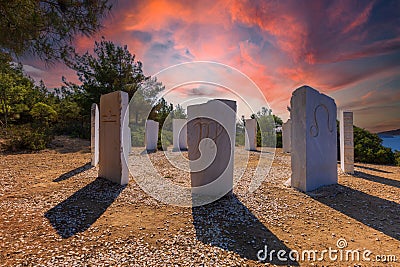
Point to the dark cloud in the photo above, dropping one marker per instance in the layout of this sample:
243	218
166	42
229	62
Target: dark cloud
144	37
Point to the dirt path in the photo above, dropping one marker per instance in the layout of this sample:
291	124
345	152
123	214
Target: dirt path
55	211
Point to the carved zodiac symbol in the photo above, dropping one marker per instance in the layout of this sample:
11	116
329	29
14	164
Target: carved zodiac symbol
207	133
314	129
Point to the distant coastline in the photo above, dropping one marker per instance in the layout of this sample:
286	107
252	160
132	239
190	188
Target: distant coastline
391	139
390	133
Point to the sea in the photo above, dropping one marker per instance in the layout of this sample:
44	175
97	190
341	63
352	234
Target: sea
392	141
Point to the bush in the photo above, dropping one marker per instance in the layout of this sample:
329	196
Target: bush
43	113
28	138
397	157
239	140
279	139
164	139
137	134
368	148
71	121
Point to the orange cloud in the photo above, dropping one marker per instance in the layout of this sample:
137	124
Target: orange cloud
330	45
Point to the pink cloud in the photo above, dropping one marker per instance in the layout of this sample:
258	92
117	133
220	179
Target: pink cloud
360	19
279	45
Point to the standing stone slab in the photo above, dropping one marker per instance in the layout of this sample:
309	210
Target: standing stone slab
126	137
94	134
346	142
211	142
286	136
179	129
314	140
250	140
151	135
113	165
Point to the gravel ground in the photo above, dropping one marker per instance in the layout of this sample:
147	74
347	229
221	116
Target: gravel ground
54	211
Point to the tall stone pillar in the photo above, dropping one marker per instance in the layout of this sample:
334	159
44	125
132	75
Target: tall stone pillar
151	135
286	136
250	141
94	134
112	161
179	129
346	142
211	142
314	140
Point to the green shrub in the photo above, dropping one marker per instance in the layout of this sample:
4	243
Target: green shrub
239	140
27	138
397	157
164	140
279	139
137	134
43	113
368	148
71	122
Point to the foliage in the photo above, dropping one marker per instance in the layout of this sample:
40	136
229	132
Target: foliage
16	91
166	114
111	68
27	110
266	123
179	112
144	100
43	113
278	121
160	113
368	148
47	28
137	134
165	139
279	139
397	157
71	121
28	137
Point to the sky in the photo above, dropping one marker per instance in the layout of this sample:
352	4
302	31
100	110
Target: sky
349	50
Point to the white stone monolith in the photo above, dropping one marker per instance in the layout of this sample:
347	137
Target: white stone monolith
314	140
286	136
179	130
250	141
151	135
211	142
112	161
346	142
126	137
94	134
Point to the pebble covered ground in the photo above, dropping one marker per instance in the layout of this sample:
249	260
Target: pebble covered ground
54	211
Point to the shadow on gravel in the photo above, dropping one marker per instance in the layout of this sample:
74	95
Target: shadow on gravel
76	171
229	225
370	168
380	214
78	212
377	179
